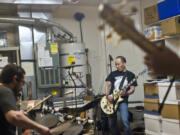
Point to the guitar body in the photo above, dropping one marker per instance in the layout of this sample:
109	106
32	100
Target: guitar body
108	107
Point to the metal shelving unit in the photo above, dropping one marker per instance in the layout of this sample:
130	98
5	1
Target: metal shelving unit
12	53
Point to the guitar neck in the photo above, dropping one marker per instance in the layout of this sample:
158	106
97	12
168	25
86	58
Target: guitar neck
121	25
135	78
40	102
130	83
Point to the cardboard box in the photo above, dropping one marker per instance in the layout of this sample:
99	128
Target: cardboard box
170	127
151	89
151	104
171	26
174	93
153	123
171	109
151	15
12	35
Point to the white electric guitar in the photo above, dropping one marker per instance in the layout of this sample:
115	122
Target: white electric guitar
111	107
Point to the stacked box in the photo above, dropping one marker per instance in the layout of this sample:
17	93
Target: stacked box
152	124
171	109
174	93
151	89
170	127
152	118
151	97
170	26
151	15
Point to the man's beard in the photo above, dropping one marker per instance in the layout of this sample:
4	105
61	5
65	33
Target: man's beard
16	91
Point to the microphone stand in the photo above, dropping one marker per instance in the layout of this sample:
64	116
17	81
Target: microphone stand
110	60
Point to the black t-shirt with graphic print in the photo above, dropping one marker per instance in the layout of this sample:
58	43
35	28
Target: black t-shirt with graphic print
116	77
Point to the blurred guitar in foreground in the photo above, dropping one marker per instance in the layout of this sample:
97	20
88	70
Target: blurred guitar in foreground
124	27
161	60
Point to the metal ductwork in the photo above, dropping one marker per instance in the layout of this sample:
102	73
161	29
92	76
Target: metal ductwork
37	22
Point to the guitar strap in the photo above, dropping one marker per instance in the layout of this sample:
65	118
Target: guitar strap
122	81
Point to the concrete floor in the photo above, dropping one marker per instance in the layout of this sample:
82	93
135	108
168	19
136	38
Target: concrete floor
137	125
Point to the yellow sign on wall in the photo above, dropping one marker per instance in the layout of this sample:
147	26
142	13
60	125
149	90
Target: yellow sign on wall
54	47
71	59
54	92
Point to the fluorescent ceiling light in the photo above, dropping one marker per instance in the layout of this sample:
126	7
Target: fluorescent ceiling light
59	2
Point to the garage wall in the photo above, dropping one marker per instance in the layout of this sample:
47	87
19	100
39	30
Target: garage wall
91	35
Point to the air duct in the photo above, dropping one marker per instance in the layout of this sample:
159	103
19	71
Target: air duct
37	22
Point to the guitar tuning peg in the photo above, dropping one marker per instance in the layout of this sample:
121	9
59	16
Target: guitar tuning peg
123	4
109	37
118	41
101	27
133	10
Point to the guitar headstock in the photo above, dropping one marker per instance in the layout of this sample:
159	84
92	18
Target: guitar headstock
111	17
124	27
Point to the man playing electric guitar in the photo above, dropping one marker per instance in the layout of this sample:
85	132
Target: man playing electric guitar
117	80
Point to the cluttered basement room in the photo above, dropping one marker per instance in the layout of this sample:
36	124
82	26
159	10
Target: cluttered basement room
90	67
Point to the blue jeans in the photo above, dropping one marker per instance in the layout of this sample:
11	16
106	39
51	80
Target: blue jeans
123	108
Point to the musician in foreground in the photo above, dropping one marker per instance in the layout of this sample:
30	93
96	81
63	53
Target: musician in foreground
117	80
12	78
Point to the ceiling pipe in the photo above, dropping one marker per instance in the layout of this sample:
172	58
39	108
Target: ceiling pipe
36	22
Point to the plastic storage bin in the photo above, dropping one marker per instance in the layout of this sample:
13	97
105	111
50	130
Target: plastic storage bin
174	93
151	133
153	123
170	127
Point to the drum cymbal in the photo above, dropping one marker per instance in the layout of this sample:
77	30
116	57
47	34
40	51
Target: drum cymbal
49	120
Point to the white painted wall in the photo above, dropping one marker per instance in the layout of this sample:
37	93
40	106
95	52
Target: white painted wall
100	48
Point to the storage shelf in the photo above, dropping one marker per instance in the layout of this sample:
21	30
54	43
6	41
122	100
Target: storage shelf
172	36
154	24
157	40
159	22
12	53
166	37
9	48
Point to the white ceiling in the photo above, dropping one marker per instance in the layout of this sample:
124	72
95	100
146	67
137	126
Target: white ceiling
48	5
81	2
